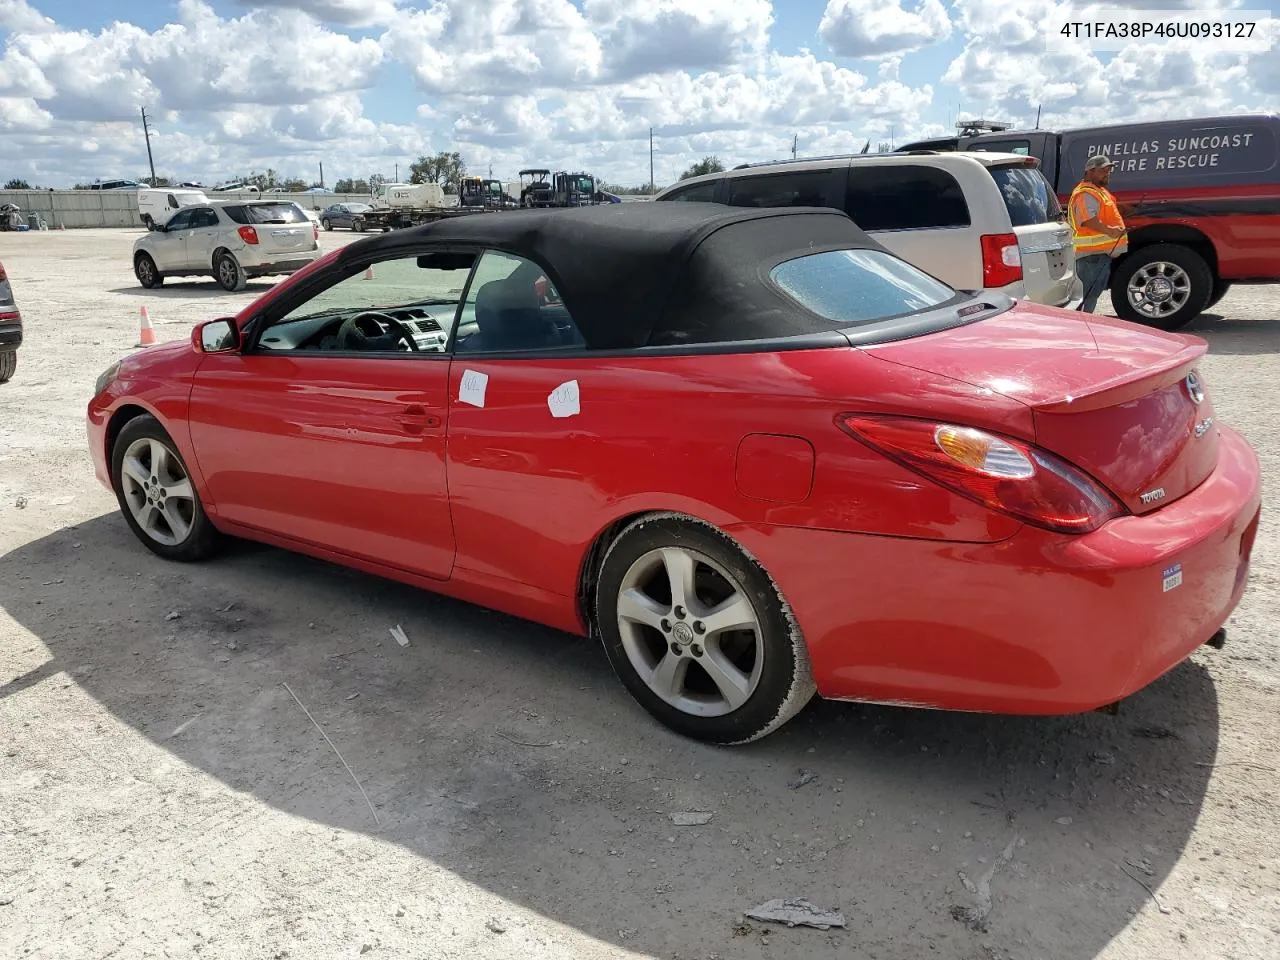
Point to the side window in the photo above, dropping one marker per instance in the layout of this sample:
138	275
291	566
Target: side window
173	201
203	218
698	193
905	197
395	307
512	305
180	221
810	188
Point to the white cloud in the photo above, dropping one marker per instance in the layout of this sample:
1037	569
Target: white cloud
18	16
655	36
347	13
495	47
875	28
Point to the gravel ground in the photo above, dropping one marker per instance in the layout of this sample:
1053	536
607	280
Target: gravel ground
163	795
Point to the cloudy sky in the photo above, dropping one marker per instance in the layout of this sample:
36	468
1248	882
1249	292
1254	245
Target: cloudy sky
236	85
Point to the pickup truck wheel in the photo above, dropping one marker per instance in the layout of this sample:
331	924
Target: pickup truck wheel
8	364
1165	286
1219	291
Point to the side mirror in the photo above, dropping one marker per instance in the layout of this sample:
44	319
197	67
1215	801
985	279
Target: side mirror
216	336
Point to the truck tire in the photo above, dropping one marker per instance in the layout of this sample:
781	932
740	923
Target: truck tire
148	222
1219	291
1165	286
8	364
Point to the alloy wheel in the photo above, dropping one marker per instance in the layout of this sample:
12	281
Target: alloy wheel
1158	290
690	631
158	491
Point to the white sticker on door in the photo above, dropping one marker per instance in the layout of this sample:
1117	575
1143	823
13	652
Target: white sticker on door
471	388
1172	577
563	400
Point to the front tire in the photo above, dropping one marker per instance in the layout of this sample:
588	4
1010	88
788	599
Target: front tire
1165	286
156	495
145	269
231	276
699	634
326	224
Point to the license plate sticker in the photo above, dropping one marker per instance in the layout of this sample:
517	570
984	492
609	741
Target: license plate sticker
1172	577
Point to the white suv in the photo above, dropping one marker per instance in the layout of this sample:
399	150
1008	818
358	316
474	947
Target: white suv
974	220
232	240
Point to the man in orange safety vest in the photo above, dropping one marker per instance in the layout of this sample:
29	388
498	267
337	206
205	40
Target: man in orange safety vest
1098	229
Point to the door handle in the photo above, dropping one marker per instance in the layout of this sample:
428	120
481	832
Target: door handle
415	418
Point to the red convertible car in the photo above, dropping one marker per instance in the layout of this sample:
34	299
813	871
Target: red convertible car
753	452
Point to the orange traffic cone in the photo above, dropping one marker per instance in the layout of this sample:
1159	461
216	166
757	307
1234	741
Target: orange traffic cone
147	334
368	274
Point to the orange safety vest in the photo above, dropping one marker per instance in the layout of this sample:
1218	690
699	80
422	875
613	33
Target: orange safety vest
1087	240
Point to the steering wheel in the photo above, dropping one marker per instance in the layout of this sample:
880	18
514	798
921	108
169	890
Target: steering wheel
357	330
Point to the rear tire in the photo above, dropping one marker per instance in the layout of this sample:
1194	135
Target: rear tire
230	275
726	684
1165	286
156	493
148	222
8	365
148	274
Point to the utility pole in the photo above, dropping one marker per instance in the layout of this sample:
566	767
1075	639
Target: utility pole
321	162
146	132
397	172
795	143
651	161
1038	116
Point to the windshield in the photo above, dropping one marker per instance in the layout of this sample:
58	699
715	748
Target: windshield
859	286
1026	195
358	208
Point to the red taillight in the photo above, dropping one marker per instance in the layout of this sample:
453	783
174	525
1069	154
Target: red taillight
1001	259
315	231
1005	475
248	234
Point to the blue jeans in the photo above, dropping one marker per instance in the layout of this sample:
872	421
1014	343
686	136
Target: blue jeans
1094	271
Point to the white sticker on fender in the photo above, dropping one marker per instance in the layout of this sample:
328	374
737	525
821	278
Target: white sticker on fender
1172	577
564	401
471	388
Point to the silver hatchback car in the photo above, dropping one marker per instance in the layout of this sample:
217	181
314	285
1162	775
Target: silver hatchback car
230	240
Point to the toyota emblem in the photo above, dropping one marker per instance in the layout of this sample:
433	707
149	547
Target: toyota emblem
1195	390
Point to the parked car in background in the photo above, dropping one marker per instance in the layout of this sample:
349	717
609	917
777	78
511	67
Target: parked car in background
10	328
116	185
231	240
349	215
236	187
887	490
1200	198
973	220
156	206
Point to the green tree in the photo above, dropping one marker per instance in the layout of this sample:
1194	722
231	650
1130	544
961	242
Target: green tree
444	168
702	167
351	186
18	184
294	184
264	181
156	182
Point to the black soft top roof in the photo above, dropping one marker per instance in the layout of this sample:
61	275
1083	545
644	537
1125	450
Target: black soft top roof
637	274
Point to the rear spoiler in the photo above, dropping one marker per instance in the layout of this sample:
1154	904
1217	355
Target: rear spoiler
1126	387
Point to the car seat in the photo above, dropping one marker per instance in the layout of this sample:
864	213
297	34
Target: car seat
508	317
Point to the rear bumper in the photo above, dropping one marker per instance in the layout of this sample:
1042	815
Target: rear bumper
1036	624
10	335
292	264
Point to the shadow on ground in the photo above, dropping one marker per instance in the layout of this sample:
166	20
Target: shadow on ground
195	287
510	755
1243	338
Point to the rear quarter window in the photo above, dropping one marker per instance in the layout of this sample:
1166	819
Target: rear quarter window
697	193
1026	194
905	197
858	286
802	188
